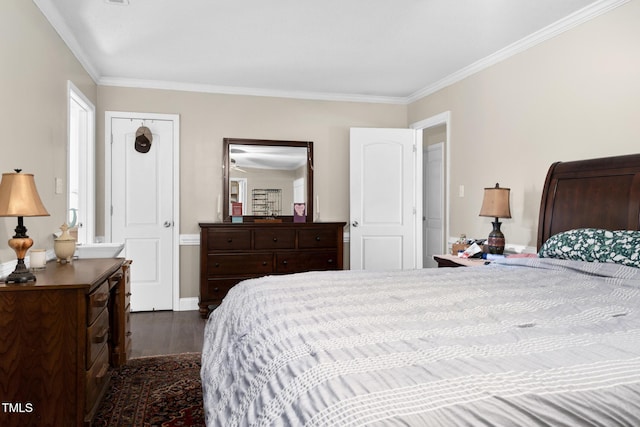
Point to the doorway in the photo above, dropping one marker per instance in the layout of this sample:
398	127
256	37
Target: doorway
432	194
432	200
142	203
81	165
398	238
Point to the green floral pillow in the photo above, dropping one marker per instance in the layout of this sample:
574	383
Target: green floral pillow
582	244
621	247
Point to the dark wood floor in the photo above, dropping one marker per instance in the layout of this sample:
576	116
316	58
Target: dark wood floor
166	332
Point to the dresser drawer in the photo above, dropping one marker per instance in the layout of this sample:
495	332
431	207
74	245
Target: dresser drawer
229	240
275	239
216	289
316	238
97	378
294	262
98	301
97	335
239	264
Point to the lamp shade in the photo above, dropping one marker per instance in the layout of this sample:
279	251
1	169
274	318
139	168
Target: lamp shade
19	196
496	202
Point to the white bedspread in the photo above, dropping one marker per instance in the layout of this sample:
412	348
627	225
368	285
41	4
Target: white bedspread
533	342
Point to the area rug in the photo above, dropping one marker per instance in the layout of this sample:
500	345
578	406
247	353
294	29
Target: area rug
163	391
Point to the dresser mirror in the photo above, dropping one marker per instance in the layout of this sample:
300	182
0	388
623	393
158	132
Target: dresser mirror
267	177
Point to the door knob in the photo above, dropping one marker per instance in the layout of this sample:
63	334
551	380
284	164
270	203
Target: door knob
354	224
167	224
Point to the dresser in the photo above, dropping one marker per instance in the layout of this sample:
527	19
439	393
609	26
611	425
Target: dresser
59	339
232	252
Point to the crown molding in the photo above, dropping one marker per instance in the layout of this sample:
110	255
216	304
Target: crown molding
587	13
583	15
233	90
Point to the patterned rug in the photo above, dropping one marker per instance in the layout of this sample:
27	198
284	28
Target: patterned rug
163	391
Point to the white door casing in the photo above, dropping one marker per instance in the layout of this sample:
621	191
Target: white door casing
142	211
382	198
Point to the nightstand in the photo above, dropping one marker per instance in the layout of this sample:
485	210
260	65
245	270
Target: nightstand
448	260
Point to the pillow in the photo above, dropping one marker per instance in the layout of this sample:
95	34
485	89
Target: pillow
621	247
581	244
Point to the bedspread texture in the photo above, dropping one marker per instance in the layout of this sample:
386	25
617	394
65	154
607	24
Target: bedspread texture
527	342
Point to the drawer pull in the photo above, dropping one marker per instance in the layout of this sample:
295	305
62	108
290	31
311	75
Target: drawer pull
284	262
100	300
102	336
217	264
216	289
264	263
275	239
329	261
317	238
229	240
128	294
129	333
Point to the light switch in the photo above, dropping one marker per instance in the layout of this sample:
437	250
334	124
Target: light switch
59	186
461	191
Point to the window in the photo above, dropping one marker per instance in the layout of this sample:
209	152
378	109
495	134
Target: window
81	165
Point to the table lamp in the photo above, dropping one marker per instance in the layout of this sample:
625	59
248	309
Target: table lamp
19	197
496	204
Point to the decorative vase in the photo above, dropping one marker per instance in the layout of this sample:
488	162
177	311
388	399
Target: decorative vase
65	245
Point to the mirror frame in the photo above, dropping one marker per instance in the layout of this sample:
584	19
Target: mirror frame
265	142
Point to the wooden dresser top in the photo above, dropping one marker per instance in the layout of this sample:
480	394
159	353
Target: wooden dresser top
78	274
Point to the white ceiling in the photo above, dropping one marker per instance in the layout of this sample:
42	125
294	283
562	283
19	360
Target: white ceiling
377	50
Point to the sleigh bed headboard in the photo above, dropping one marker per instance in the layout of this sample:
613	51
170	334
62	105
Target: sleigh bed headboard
596	193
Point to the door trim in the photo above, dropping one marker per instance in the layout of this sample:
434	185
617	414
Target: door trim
108	140
437	120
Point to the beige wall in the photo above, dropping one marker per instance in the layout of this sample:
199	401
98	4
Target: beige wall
205	119
573	97
35	67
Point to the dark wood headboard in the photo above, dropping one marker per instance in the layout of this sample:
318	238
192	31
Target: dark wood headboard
597	193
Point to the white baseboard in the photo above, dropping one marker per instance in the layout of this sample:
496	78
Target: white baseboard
188	304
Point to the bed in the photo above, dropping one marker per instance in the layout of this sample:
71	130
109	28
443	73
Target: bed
544	341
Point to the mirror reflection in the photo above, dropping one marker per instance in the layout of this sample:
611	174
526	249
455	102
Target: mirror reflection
267	177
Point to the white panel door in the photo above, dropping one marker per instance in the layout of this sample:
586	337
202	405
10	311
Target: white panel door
142	209
382	199
433	226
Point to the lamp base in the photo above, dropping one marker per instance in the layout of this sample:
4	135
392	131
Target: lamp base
496	239
21	244
21	274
